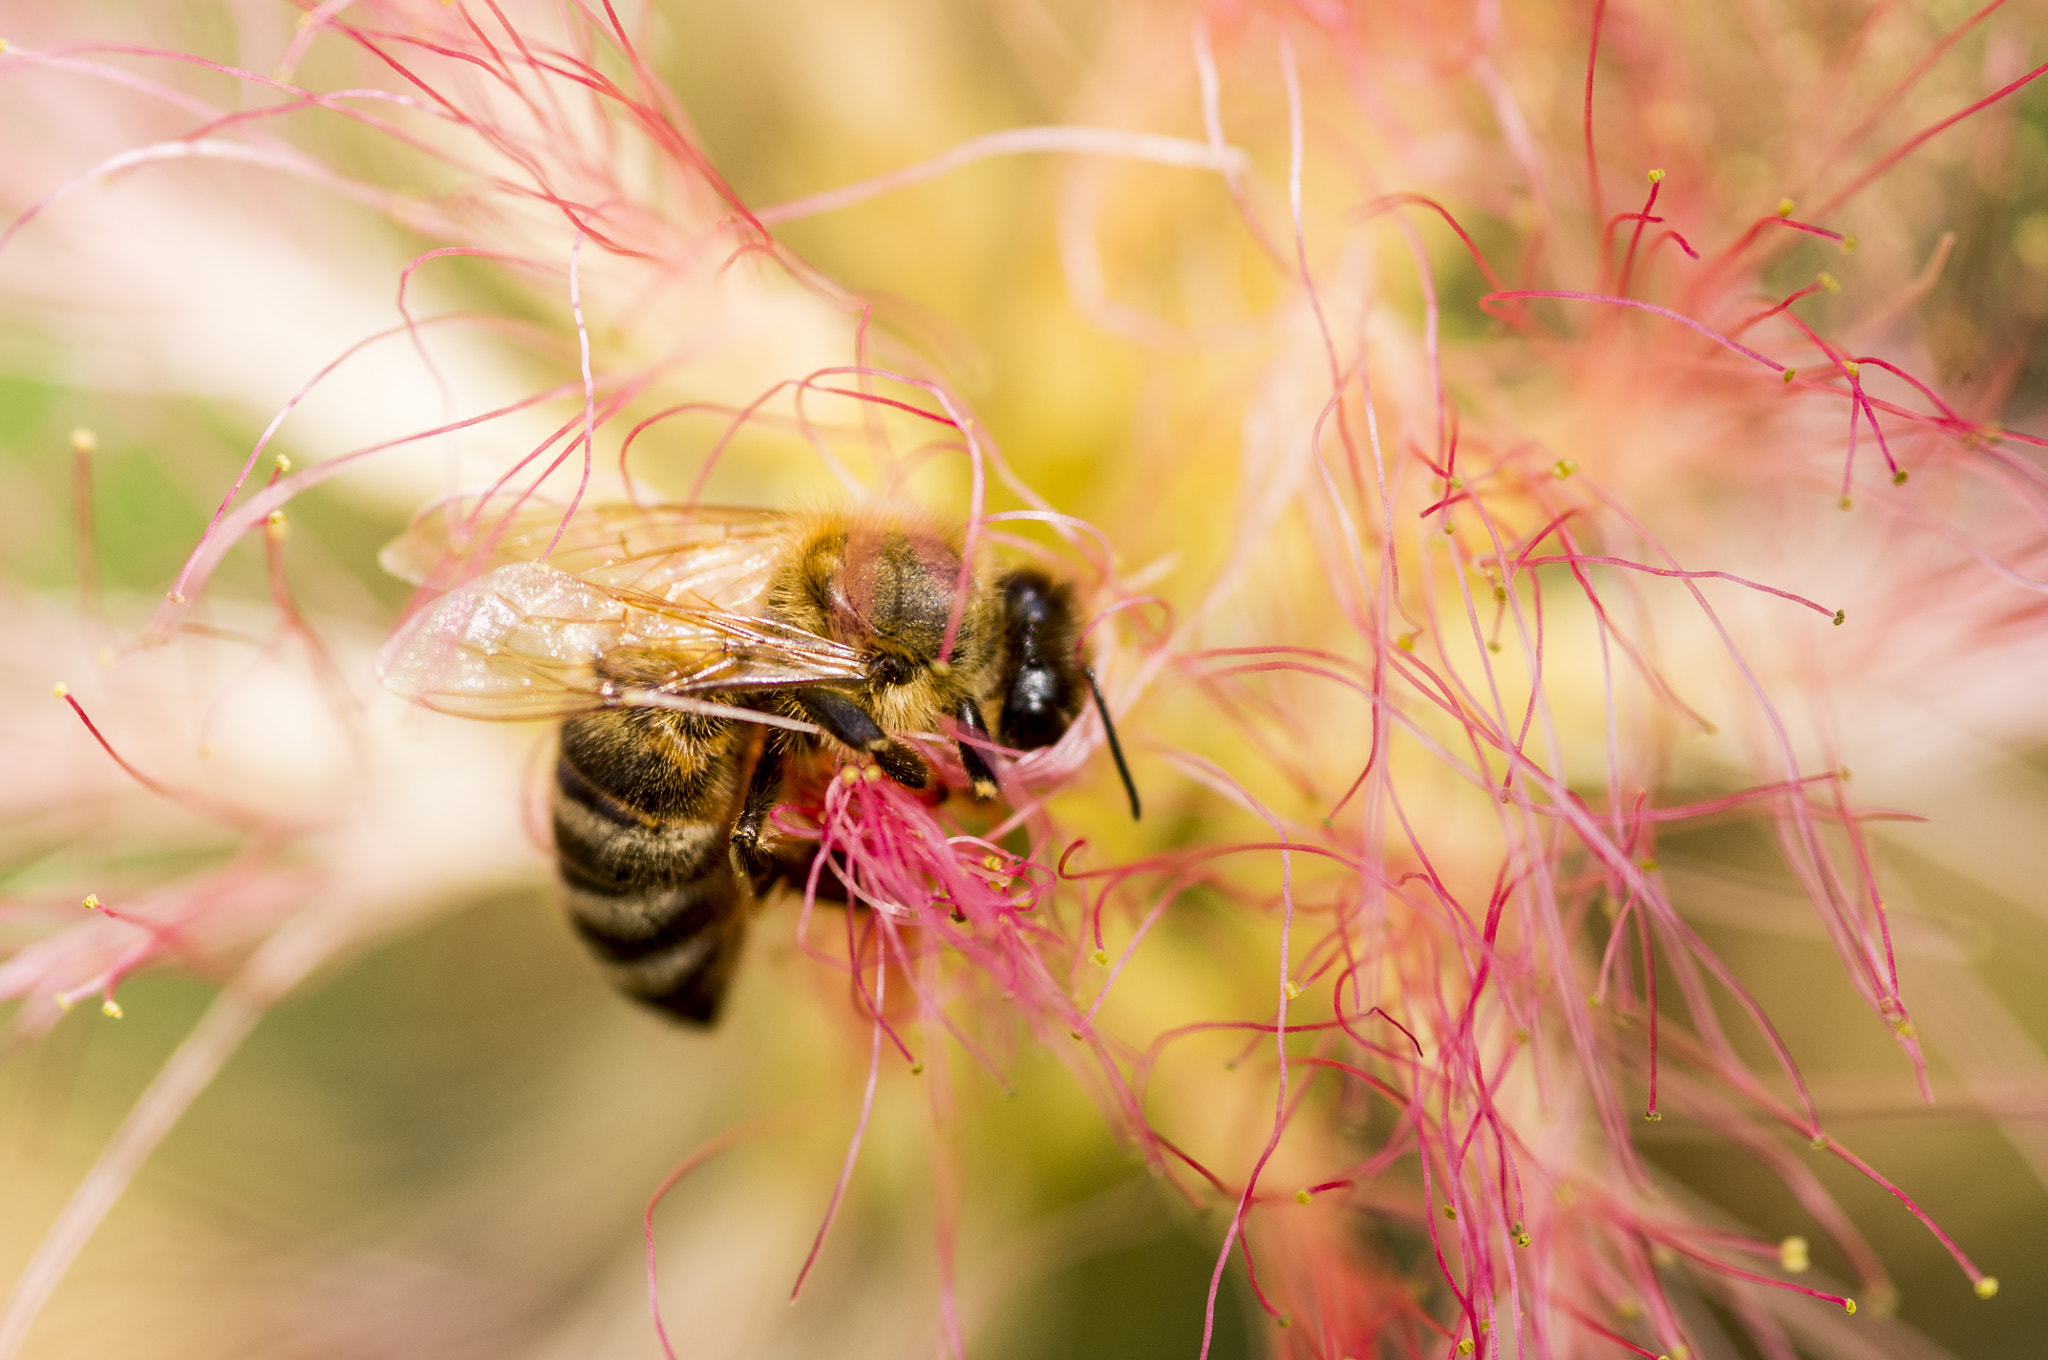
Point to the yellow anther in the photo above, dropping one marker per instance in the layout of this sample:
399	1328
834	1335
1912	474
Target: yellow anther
64	1003
1494	647
1785	206
1793	1256
1293	990
274	524
1819	1142
941	669
1449	526
1521	1236
1593	1000
1286	1319
1899	477
83	440
1849	244
1849	1307
111	1009
917	1069
1302	1197
991	862
1466	1347
1845	774
1075	1034
1101	957
1789	374
849	775
1456	483
175	596
1656	177
1500	594
1563	468
1828	282
1522	1035
1406	642
283	464
1987	1287
91	902
872	773
1451	1212
1653	1116
1852	368
1842	615
1649	866
1905	1029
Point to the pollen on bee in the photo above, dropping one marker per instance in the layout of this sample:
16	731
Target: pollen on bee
942	669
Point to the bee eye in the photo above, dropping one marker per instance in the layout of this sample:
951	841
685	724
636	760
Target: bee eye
891	669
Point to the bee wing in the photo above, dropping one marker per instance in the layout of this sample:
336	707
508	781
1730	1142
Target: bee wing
526	640
684	554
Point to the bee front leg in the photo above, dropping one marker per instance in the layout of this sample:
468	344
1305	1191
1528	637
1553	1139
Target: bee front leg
849	723
974	728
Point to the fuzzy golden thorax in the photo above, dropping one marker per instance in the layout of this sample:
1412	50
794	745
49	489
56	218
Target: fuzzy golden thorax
886	587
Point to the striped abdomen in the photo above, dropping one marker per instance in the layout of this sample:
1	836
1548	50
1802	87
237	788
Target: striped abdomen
643	806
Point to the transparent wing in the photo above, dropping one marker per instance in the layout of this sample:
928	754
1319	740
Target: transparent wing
703	556
525	640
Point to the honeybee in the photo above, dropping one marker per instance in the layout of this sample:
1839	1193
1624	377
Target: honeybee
696	655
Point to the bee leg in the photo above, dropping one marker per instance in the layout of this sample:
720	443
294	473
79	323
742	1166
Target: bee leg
846	721
752	860
980	777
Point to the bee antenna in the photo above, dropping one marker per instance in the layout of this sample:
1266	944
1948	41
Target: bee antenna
1116	748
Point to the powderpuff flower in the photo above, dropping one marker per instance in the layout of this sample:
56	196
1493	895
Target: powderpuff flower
1584	508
